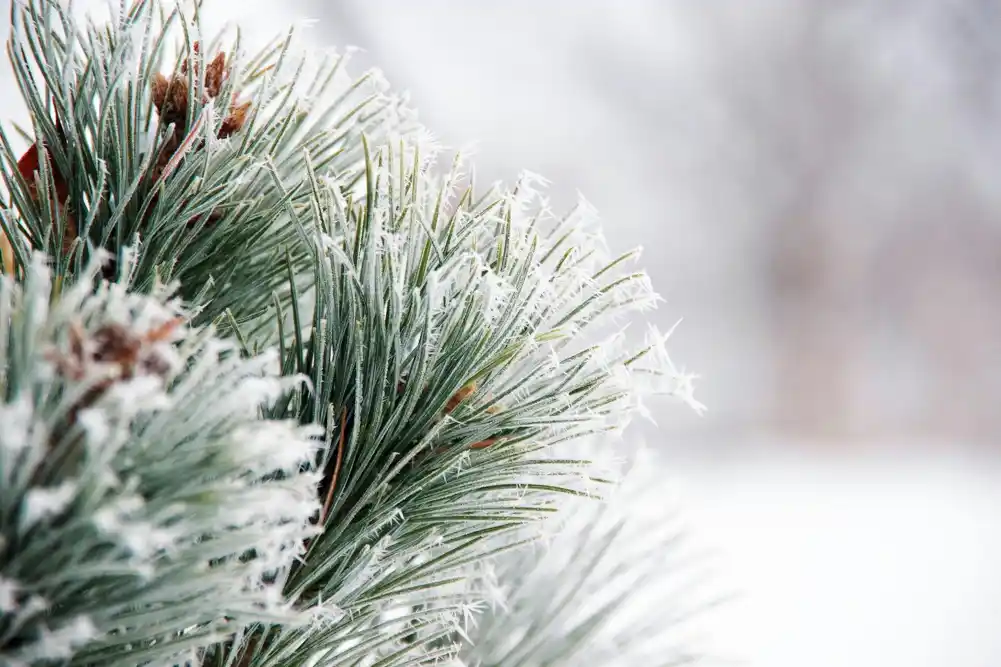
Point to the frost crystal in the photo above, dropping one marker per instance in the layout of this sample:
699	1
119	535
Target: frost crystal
8	592
16	434
60	644
45	502
95	425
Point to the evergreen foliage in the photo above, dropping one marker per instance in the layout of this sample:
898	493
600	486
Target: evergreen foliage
278	388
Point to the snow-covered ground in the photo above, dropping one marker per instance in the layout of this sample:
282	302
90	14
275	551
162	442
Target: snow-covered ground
862	561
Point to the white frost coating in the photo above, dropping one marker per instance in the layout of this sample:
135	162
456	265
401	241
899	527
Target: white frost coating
496	294
16	419
59	644
44	502
256	391
143	539
526	189
141	393
109	519
272	445
594	554
326	613
271	506
8	595
37	300
167	354
378	80
679	383
94	424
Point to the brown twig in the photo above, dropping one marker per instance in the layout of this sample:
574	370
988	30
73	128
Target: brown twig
337	468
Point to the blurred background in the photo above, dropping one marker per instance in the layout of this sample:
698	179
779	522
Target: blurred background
817	186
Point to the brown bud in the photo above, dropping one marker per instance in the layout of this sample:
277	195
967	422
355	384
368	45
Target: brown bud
215	74
459	396
177	98
233	123
160	86
196	48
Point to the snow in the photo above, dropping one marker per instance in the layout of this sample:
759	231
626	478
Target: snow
852	560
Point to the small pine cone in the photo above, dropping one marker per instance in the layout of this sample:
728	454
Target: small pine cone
170	97
170	94
122	352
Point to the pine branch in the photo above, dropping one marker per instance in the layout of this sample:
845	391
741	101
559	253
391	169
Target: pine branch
145	509
449	339
165	162
438	341
617	583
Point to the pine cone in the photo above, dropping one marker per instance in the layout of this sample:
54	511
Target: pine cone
170	97
120	351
